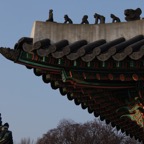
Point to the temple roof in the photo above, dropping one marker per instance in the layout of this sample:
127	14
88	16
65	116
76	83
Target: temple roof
104	76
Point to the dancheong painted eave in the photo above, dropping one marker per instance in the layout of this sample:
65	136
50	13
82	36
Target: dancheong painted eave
100	67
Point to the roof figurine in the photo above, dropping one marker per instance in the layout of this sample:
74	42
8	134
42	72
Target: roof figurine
98	18
115	18
131	14
50	19
67	19
6	135
85	20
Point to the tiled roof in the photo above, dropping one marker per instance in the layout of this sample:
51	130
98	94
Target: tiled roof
117	49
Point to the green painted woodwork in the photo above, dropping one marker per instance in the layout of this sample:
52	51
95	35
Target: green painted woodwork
99	65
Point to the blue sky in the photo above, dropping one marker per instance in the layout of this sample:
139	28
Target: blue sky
30	106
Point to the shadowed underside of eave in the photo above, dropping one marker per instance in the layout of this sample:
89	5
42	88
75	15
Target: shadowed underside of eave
98	100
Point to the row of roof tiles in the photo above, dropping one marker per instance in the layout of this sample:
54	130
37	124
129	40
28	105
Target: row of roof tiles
118	49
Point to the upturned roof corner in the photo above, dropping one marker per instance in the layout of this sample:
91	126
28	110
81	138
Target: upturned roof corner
10	54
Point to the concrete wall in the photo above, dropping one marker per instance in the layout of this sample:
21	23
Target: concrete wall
91	32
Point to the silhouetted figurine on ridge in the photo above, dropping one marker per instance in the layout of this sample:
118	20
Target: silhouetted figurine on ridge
50	19
85	20
67	19
6	135
131	14
98	18
115	18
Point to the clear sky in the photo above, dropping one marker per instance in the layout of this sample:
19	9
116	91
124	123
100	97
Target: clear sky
30	106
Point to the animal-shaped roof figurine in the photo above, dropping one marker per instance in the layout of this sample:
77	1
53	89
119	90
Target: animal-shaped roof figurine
50	19
131	14
67	19
98	18
115	18
85	20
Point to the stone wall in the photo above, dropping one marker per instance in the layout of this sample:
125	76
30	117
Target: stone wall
90	32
